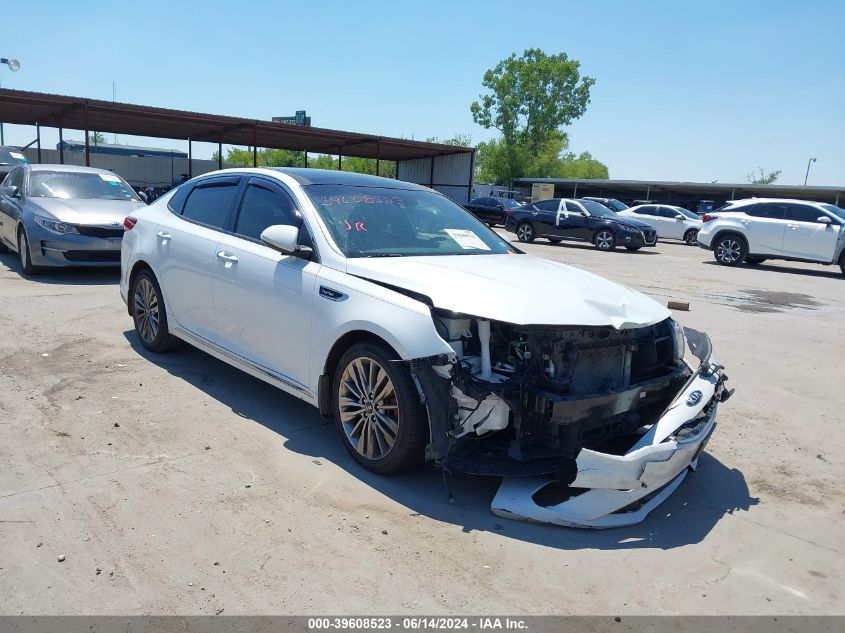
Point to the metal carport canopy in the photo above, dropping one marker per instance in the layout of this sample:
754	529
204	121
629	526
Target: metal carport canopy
44	109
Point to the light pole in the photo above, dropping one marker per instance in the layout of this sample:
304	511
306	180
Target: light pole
809	162
14	65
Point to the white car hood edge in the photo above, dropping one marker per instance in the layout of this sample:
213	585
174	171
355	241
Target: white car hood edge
517	289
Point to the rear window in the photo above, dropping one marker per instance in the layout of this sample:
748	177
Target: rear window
11	157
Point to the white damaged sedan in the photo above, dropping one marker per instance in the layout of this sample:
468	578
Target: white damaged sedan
428	337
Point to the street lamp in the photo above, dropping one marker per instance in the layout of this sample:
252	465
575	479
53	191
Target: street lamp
809	162
14	65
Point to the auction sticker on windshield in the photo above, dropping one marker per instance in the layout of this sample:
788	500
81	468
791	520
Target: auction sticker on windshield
109	178
467	240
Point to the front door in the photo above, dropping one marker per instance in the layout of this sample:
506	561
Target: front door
263	298
11	206
670	225
806	237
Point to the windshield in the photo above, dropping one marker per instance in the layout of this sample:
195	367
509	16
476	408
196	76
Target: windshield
68	184
686	213
510	204
596	208
11	157
381	222
838	212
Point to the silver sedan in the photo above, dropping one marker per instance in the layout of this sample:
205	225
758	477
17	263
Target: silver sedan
64	215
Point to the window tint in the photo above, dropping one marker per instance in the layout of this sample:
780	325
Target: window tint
209	204
572	207
548	205
647	210
487	202
803	213
262	208
14	179
771	210
178	200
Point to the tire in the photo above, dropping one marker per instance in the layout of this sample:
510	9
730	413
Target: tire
491	225
730	249
3	248
633	249
25	255
753	261
525	232
555	240
691	237
368	385
149	315
604	240
842	263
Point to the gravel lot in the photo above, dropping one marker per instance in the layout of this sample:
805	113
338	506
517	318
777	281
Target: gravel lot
177	485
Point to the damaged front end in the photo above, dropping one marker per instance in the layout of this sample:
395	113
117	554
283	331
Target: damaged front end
589	426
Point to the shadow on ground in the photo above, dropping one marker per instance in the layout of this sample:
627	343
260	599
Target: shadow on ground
832	271
64	276
707	495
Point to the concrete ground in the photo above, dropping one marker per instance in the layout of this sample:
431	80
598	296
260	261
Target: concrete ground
174	484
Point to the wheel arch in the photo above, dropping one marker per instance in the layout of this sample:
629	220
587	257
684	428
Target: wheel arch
324	391
137	267
728	231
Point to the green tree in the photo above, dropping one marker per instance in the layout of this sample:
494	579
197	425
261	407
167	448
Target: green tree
461	139
266	157
759	177
96	138
532	97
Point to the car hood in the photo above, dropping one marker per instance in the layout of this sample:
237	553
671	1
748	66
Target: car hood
85	211
639	224
517	289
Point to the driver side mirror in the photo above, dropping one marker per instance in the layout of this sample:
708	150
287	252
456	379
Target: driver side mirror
10	190
285	238
679	217
823	220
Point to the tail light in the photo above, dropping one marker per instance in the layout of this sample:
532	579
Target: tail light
129	223
707	217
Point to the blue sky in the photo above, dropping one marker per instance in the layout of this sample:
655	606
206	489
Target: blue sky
695	91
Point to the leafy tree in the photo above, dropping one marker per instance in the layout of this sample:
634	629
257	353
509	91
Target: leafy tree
266	157
462	139
96	138
759	177
532	97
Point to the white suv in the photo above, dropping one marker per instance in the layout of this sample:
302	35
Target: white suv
758	229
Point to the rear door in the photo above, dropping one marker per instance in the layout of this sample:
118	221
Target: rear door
543	214
806	237
185	252
263	298
648	214
764	227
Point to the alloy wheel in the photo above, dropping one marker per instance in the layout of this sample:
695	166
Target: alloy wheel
369	409
691	238
525	232
604	240
146	310
728	251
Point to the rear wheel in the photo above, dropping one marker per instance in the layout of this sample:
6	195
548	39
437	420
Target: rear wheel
377	410
26	257
604	240
691	237
842	263
525	232
149	314
730	250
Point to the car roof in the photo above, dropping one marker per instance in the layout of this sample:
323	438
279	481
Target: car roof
309	176
67	168
748	201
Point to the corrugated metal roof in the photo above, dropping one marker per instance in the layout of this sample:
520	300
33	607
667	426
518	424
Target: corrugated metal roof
29	108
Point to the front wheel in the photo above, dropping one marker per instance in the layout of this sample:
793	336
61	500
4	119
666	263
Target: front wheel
691	237
149	314
525	232
730	250
377	410
633	248
25	255
842	263
604	240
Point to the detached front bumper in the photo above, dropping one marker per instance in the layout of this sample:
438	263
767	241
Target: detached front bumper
618	490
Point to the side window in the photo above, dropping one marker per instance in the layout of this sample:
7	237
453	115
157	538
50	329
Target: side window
548	205
177	202
803	213
770	210
209	203
14	179
261	208
666	212
572	207
648	210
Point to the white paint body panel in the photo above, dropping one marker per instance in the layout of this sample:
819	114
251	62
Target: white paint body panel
671	228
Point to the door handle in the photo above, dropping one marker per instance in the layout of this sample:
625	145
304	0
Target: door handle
164	235
227	257
792	226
